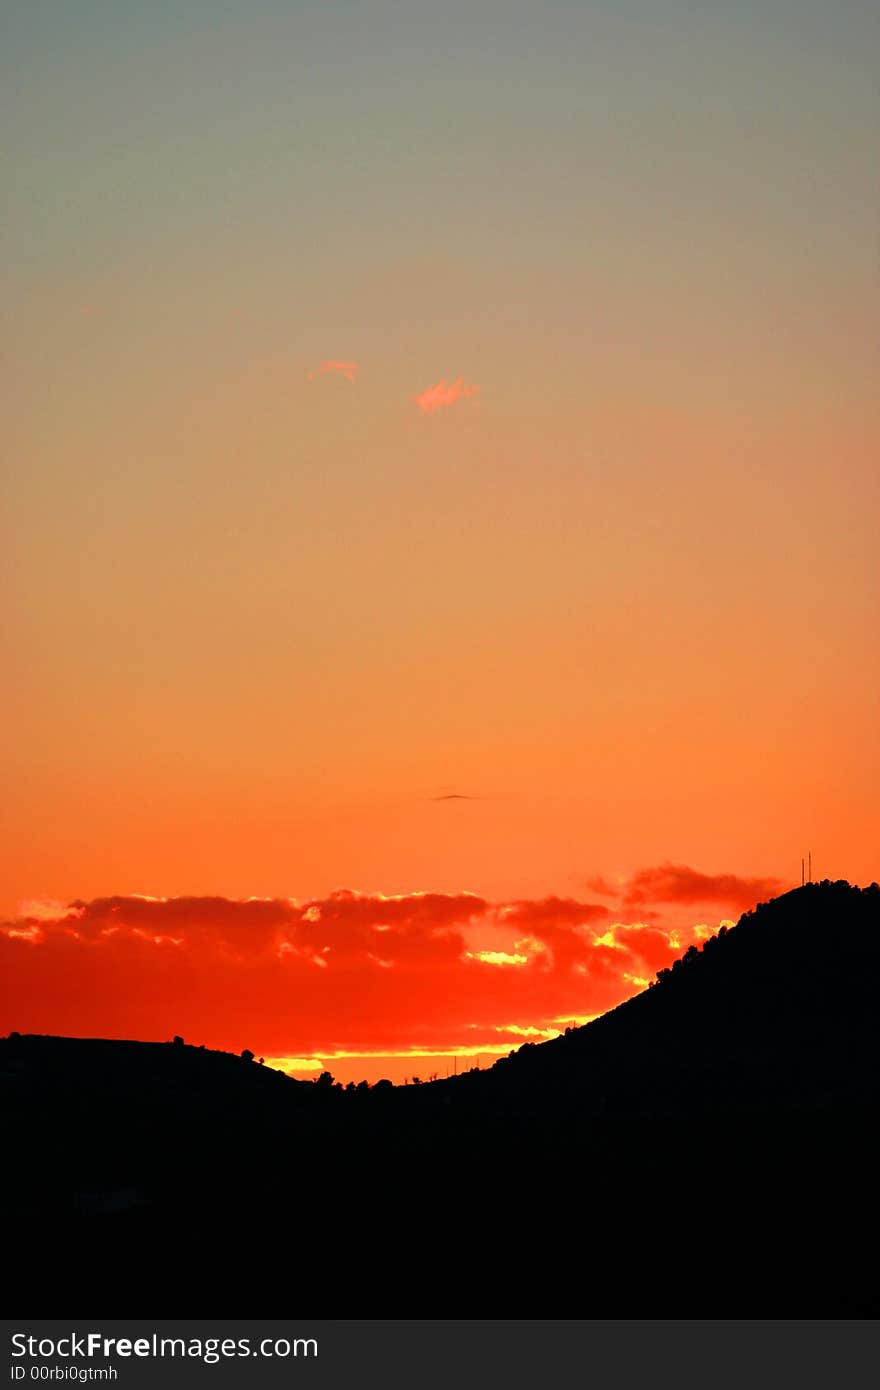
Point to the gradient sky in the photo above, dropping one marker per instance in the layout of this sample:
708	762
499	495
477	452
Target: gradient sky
440	455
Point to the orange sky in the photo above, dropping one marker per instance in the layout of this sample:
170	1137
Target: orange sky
440	457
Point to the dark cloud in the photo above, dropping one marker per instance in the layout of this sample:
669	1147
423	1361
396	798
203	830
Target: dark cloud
532	913
677	883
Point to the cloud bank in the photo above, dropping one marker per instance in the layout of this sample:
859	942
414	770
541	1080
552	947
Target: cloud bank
348	971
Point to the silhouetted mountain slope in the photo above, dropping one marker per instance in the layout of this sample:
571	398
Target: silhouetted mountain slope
709	1147
784	1004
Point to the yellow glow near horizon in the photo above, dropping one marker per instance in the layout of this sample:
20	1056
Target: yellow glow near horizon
497	957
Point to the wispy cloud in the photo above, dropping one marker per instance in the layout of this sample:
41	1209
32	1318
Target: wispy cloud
444	394
330	367
678	883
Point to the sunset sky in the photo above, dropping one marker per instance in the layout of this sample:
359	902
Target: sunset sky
440	503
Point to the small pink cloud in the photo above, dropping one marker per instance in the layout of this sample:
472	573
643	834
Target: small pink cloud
331	368
444	394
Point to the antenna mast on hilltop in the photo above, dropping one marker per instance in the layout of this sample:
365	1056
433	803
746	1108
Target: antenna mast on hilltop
810	866
803	877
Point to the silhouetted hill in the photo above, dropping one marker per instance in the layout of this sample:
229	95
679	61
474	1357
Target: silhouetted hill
708	1148
782	1006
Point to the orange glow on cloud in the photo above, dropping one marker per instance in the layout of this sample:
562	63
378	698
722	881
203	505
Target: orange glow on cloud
329	367
444	394
454	975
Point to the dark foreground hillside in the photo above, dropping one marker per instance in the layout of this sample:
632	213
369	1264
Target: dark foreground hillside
708	1149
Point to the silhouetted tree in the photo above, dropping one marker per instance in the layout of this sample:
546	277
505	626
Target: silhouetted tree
247	1055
